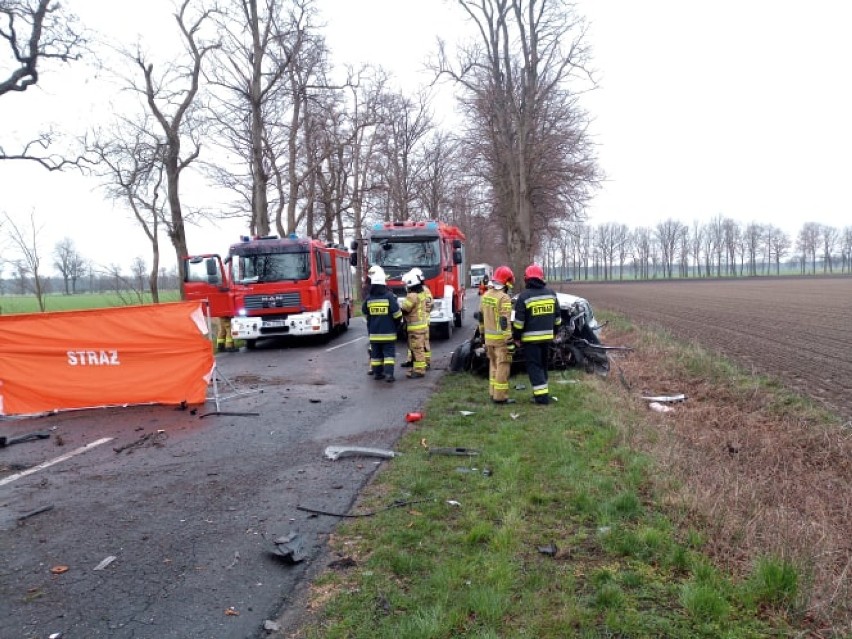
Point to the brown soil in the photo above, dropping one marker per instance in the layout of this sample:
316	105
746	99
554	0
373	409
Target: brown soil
796	329
759	475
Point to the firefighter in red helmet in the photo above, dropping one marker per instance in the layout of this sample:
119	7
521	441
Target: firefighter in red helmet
536	317
495	316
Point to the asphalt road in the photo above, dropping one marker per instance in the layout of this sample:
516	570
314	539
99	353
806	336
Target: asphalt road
189	506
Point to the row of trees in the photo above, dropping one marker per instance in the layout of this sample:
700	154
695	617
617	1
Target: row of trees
252	101
720	247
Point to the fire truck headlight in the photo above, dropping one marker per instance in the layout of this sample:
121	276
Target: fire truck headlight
241	312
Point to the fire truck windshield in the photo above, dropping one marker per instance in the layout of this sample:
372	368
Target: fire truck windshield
272	267
397	252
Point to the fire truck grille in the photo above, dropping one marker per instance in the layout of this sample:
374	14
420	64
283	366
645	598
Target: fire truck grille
281	300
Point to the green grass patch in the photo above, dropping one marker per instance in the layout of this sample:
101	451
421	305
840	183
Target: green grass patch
14	304
464	558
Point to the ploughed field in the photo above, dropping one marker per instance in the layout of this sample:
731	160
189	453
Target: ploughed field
797	329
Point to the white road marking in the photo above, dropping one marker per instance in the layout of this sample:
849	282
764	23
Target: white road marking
47	464
357	339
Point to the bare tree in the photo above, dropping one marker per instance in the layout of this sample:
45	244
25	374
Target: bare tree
406	124
25	240
668	233
780	244
830	237
130	160
751	243
32	33
69	263
170	98
808	243
439	171
525	125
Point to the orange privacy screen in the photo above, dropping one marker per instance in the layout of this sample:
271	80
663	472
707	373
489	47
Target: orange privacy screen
83	359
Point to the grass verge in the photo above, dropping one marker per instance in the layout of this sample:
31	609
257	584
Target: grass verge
591	517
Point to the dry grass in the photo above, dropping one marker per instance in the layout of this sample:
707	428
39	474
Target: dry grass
757	472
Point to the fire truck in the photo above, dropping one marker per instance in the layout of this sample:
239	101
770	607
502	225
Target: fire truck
438	250
273	286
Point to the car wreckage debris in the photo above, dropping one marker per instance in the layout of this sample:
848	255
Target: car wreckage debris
33	513
20	439
290	547
396	504
458	450
336	452
665	398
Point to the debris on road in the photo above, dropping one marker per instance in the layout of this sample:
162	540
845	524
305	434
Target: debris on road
336	452
665	398
458	450
290	547
106	562
453	502
232	612
550	549
33	513
399	503
58	570
271	626
466	413
20	439
413	417
228	414
155	439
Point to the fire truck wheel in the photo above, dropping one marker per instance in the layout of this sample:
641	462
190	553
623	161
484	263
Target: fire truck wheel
251	344
345	325
458	318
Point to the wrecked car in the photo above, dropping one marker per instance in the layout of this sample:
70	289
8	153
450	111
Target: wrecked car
576	344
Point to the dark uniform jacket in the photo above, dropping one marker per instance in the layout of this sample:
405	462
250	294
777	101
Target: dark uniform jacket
536	313
381	309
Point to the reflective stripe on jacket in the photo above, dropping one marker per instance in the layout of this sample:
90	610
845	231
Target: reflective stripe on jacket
536	313
382	311
414	311
496	304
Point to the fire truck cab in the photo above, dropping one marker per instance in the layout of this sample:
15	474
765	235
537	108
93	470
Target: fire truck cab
438	250
271	286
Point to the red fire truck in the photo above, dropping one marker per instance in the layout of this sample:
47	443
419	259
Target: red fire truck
438	250
273	286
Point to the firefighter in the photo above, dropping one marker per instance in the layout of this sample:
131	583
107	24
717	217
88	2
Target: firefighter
365	292
536	317
417	321
224	338
427	346
495	316
483	285
383	319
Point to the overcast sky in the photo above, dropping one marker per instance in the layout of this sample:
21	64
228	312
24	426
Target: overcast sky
735	108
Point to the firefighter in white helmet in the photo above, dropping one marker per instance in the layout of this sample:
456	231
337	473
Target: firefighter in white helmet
416	315
427	346
365	292
381	309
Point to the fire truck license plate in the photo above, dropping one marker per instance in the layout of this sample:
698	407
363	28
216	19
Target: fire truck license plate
274	323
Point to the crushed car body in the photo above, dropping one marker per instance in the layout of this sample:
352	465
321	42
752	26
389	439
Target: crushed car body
576	343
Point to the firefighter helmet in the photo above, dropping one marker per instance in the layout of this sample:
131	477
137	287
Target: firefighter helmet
411	279
416	271
373	269
503	276
377	275
534	272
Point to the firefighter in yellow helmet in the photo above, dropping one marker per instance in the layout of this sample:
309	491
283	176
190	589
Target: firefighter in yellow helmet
414	310
495	317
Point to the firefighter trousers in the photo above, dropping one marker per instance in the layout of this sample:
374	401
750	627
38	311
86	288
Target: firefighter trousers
417	346
499	365
535	356
382	358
